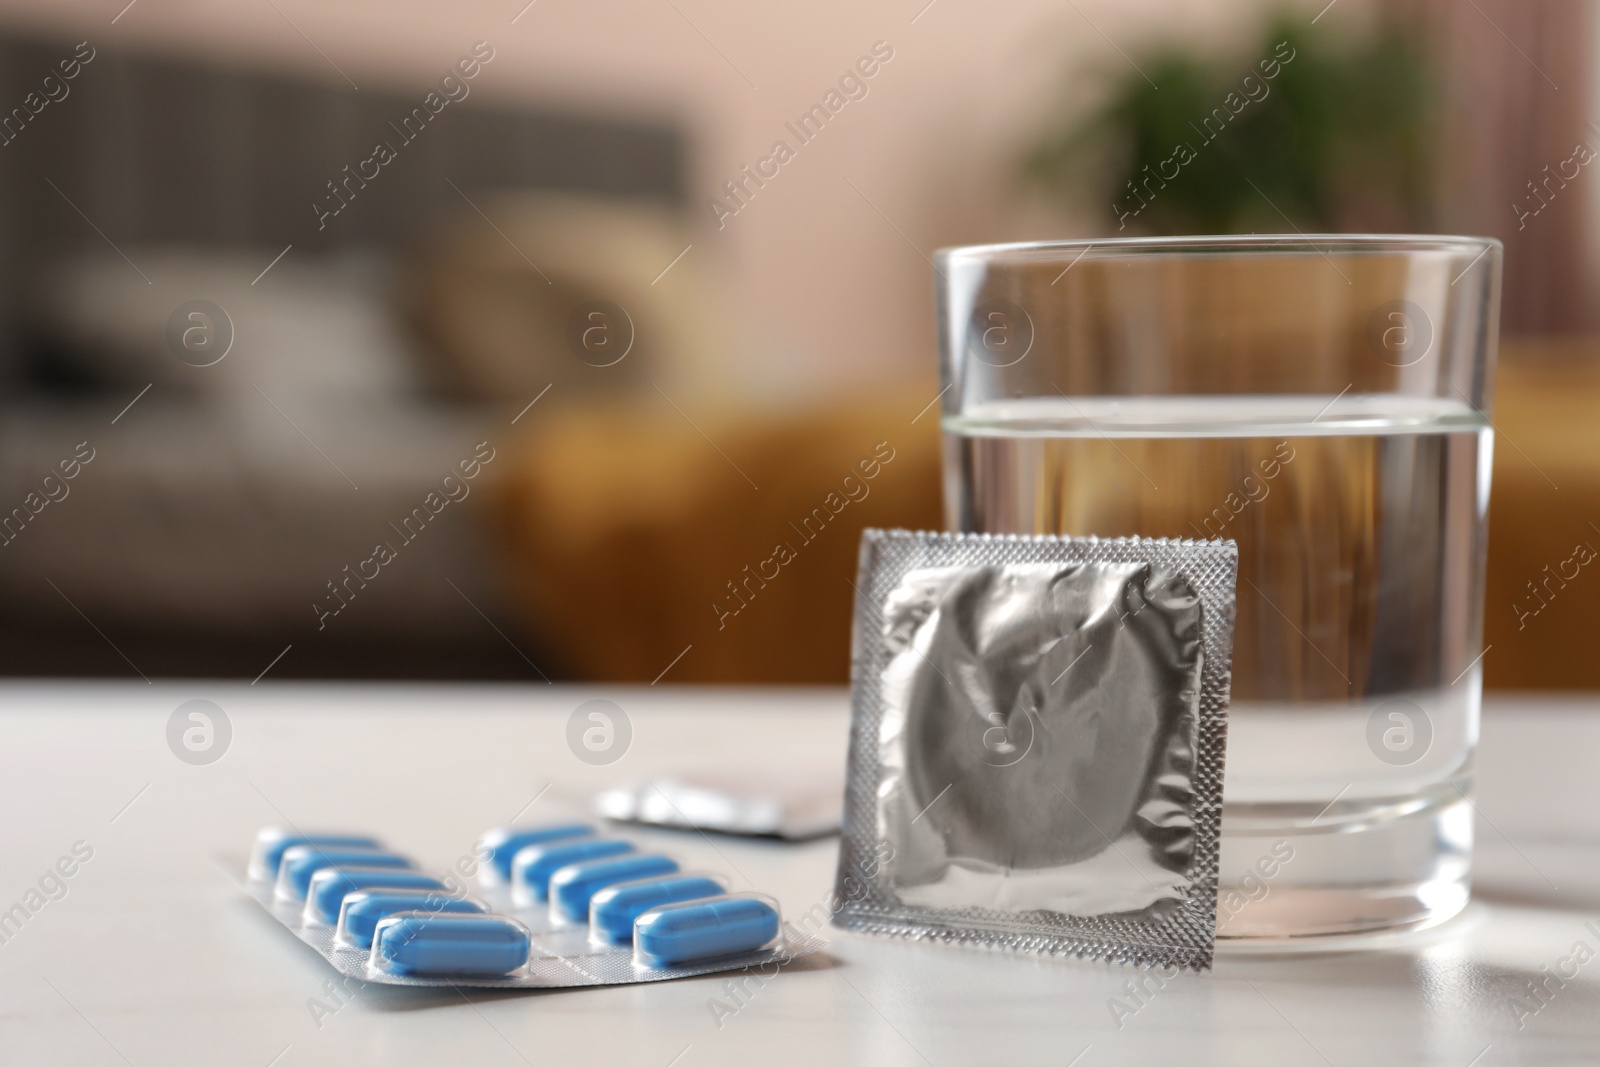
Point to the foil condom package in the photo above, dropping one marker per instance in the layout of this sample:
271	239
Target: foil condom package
1036	747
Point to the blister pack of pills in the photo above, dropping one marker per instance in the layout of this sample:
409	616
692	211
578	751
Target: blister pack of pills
766	804
559	906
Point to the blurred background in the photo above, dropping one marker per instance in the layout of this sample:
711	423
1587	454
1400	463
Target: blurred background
511	340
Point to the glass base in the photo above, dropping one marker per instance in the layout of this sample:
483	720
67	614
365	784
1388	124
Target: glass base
1407	938
1293	872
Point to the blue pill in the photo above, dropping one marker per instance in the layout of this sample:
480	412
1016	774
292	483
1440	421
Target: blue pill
433	944
331	885
272	843
614	908
533	866
365	908
685	933
572	887
500	846
302	861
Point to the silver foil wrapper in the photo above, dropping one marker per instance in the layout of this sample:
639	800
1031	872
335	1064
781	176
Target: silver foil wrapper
1037	743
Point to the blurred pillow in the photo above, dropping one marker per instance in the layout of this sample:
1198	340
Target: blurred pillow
563	289
312	325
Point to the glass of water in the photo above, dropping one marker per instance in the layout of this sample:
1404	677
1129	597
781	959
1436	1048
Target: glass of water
1323	401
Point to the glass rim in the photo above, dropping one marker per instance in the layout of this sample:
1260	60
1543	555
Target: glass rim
1223	244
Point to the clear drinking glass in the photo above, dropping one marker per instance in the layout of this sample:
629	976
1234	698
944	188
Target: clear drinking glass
1324	402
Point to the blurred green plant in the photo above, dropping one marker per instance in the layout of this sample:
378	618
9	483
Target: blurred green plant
1312	132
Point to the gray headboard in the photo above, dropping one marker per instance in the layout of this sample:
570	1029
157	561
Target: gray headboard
156	149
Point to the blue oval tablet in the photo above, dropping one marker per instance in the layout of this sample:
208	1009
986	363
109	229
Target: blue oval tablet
614	908
686	933
532	867
330	885
572	886
302	861
500	846
272	843
433	944
362	910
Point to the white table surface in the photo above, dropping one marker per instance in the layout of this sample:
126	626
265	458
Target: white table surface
153	957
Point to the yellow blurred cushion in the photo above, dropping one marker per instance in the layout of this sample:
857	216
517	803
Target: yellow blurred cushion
1544	503
634	536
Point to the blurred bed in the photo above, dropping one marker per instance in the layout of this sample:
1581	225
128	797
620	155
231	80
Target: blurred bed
370	354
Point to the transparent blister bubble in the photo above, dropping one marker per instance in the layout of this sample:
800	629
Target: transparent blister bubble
533	866
615	910
272	842
719	927
496	848
301	862
572	888
1037	743
361	911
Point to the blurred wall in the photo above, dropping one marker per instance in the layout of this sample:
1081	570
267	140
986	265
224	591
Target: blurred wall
824	270
1519	94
